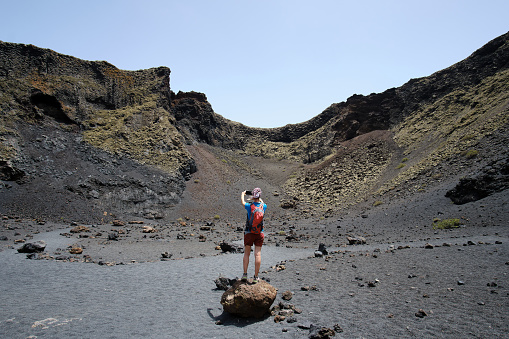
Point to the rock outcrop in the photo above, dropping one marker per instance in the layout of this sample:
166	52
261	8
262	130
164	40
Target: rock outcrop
249	300
93	137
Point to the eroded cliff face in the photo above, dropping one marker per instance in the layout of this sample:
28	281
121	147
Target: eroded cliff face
82	130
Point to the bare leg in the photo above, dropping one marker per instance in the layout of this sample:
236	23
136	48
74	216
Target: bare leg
258	259
247	252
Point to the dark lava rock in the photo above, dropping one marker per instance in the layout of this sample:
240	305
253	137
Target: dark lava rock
495	178
323	249
232	248
33	247
223	283
317	332
113	236
356	240
421	313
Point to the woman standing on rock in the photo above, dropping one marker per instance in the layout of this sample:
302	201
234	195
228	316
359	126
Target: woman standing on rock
253	233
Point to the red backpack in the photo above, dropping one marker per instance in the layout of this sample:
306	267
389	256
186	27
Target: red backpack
255	221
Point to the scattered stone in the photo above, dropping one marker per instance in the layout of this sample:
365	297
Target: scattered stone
249	300
309	288
323	249
287	296
3	238
118	223
223	283
31	256
232	248
279	318
79	229
421	313
166	255
338	329
286	313
428	246
76	250
136	222
316	332
492	284
358	240
280	267
33	247
287	204
460	282
148	229
113	236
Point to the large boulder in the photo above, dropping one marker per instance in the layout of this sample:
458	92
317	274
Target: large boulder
33	247
249	300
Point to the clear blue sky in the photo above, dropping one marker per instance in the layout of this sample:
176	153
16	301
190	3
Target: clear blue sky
264	63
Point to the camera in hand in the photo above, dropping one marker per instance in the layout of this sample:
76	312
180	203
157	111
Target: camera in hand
249	193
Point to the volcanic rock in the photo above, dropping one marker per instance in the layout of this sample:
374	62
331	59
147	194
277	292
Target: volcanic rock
79	229
113	236
287	295
317	332
223	283
421	313
358	240
249	300
33	247
229	247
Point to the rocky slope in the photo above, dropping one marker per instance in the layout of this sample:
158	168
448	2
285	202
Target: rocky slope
83	140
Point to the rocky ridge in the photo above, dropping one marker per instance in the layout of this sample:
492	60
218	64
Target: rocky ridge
107	142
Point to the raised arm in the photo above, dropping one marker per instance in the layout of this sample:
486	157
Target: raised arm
243	194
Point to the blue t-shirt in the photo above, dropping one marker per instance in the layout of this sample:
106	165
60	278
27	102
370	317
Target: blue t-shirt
247	206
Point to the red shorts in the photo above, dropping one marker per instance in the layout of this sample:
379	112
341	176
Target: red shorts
251	238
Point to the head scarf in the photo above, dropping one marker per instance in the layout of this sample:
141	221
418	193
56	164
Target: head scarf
257	193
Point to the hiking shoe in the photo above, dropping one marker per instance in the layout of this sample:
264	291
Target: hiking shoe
244	277
255	279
